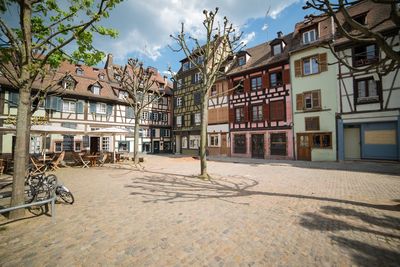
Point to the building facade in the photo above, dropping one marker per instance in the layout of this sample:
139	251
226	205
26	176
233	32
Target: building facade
369	100
314	90
260	106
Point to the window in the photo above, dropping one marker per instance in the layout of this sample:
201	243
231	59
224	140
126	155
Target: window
278	144
213	90
194	141
276	49
309	100
69	106
364	55
167	133
154	116
197	77
361	18
277	110
68	83
184	142
197	98
68	142
185	66
310	65
322	140
239	143
214	140
178	121
309	36
145	115
256	83
275	79
200	60
238	85
257	113
197	119
123	146
242	60
239	114
366	90
96	89
179	102
79	71
58	146
117	77
78	146
101	108
101	76
105	143
123	95
312	123
164	117
179	83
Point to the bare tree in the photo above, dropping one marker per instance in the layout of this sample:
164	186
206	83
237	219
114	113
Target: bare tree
221	41
32	48
143	90
349	27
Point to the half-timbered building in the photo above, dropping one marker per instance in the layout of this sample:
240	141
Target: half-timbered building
369	100
260	108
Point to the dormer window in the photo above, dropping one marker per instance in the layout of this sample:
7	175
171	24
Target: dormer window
361	19
123	95
242	60
96	89
117	77
68	83
309	36
185	66
79	71
101	76
277	49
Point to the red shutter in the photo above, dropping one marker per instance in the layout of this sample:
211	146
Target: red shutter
266	112
316	98
232	115
246	113
265	80
286	76
299	102
322	62
297	68
246	85
230	86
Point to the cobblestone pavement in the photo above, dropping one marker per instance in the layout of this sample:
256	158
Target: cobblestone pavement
275	214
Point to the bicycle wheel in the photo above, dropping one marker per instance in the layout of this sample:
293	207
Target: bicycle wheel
29	193
51	180
42	192
66	196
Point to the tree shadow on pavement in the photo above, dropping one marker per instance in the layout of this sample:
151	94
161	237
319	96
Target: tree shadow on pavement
170	187
347	222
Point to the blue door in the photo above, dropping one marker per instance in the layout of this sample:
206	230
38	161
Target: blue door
379	141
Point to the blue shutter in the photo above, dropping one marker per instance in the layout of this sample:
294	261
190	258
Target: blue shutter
58	103
92	107
129	113
79	107
13	99
109	109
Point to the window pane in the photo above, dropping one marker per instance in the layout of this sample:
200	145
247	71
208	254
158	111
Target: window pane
312	36
370	51
272	79
306	67
277	49
326	140
372	90
361	89
305	38
314	65
316	141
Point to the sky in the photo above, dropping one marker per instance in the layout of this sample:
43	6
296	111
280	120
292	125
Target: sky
145	26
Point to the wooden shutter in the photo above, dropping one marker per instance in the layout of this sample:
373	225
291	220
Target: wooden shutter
246	85
316	99
286	76
299	102
246	113
297	68
232	115
266	112
265	80
322	62
312	123
58	106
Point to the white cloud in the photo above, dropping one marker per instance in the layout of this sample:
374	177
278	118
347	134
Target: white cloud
264	27
248	37
145	26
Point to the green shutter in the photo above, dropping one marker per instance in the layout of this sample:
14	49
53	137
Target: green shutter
79	107
129	113
13	99
92	107
58	104
109	109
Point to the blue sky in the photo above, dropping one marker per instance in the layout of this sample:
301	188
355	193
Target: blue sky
145	26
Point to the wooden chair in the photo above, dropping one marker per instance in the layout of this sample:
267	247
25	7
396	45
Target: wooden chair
102	160
85	163
37	167
55	164
76	159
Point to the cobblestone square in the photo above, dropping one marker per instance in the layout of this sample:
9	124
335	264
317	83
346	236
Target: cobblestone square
252	213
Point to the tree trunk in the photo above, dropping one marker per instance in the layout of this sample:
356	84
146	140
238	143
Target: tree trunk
136	142
203	137
21	151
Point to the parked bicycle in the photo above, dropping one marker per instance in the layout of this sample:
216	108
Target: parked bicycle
61	190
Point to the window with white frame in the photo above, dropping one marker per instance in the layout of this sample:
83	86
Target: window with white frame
122	95
167	133
79	71
96	89
197	77
101	108
214	140
185	66
197	118
179	101
105	143
277	49
78	146
178	121
155	116
310	65
179	83
194	141
309	36
242	60
145	115
68	106
184	142
58	146
68	83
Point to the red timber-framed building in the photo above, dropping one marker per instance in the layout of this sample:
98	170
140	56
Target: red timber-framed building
260	107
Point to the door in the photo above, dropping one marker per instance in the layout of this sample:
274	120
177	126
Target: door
257	146
303	146
379	140
352	143
156	146
94	145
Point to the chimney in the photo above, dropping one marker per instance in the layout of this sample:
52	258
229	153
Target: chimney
109	61
165	79
280	34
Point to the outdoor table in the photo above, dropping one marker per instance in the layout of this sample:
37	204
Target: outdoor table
92	159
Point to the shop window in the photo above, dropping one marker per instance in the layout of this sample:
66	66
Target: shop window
194	141
78	146
278	144
184	142
68	143
322	140
214	140
58	146
239	143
